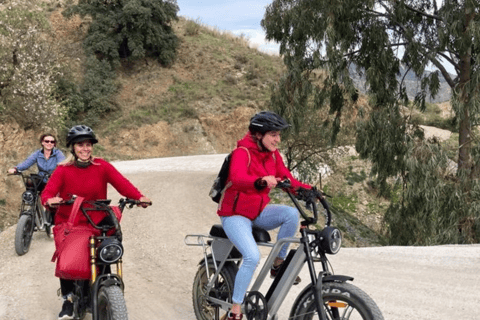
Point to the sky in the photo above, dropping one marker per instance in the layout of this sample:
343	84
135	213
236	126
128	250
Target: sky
237	17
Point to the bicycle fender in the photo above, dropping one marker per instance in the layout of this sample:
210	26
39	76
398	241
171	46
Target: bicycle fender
115	281
107	281
26	213
332	278
336	278
329	278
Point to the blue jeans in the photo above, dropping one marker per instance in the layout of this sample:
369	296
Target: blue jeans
239	231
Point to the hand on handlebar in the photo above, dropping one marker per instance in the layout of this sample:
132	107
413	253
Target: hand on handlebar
271	181
54	202
144	202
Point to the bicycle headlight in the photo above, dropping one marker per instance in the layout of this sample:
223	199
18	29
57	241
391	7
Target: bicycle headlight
28	197
331	240
110	250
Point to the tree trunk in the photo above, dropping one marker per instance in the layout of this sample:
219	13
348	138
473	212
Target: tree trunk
464	138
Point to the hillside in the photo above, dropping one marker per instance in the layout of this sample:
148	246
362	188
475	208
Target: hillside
199	105
412	85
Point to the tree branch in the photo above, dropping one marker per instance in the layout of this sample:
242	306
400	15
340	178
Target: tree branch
444	72
422	13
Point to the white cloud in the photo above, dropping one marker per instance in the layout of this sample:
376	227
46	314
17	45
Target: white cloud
256	38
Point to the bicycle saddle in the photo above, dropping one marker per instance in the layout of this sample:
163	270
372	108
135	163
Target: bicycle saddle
260	235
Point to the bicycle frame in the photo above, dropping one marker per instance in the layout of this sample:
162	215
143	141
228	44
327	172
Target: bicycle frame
35	208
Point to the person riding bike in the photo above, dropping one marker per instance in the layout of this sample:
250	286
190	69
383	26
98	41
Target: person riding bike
256	167
84	175
47	158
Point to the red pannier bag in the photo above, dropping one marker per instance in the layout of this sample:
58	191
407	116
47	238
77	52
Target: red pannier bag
72	252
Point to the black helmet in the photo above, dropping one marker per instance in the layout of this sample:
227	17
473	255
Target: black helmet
80	133
265	121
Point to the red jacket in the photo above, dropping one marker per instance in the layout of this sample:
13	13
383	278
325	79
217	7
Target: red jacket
241	197
90	183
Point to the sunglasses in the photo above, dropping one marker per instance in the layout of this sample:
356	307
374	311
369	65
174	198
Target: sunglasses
49	141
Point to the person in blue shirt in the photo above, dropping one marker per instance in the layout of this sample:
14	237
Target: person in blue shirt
46	158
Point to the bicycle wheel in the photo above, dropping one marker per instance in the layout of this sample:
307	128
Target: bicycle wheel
80	299
342	301
111	304
23	234
222	289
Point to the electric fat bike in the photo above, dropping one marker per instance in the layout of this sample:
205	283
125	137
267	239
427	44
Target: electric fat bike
102	295
33	217
327	297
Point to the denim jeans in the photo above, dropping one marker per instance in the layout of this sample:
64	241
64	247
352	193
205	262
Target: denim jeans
239	231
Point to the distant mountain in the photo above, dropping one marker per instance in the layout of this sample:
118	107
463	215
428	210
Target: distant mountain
411	82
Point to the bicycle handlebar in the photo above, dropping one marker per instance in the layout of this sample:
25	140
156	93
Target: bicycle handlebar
32	179
309	196
130	202
104	205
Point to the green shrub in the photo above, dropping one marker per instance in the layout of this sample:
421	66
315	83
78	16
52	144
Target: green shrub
97	90
131	29
354	177
230	78
192	28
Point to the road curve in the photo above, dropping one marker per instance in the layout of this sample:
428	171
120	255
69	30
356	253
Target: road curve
422	283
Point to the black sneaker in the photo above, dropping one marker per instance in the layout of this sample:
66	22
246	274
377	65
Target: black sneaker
274	271
67	311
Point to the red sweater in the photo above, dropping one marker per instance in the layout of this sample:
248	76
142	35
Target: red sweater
241	197
90	183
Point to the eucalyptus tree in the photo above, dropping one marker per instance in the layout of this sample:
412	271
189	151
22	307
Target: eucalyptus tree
377	38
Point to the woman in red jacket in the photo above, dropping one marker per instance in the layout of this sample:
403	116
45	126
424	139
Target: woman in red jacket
83	175
255	168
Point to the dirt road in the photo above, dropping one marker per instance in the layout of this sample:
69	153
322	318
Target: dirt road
421	283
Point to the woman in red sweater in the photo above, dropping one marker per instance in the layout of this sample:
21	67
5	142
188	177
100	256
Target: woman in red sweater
83	175
255	168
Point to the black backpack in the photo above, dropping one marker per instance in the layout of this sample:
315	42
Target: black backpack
220	181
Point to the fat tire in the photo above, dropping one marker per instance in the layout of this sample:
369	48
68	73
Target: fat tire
48	223
205	310
111	304
48	231
364	306
23	234
80	301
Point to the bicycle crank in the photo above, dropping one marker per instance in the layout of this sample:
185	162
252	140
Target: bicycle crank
256	306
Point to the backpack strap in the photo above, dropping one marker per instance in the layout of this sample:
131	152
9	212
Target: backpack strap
248	153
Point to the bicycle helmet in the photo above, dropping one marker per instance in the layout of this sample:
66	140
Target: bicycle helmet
80	133
265	121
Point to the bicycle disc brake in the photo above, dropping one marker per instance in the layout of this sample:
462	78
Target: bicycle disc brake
256	306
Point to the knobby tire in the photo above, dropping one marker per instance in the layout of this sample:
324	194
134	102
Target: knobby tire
223	289
341	300
23	234
111	304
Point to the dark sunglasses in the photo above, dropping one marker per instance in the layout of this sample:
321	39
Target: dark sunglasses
49	141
